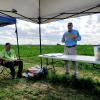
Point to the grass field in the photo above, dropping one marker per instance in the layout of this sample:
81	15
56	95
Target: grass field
56	86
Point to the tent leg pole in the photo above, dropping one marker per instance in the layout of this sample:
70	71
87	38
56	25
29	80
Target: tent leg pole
40	39
39	22
17	42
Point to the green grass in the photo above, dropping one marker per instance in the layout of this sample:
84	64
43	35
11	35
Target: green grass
56	86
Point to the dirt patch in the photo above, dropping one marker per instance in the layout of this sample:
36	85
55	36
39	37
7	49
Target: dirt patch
41	85
20	86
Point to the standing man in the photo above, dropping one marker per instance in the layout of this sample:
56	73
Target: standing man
9	60
70	39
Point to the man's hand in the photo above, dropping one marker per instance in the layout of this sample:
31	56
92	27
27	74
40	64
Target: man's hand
74	37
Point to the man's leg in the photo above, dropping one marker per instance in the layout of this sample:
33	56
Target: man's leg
19	63
67	67
10	65
75	64
66	62
73	51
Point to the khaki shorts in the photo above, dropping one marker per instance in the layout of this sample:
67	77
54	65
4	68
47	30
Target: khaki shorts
70	51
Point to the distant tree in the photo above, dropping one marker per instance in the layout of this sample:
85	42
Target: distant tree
58	44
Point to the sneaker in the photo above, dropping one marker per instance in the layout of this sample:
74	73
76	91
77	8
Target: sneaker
67	73
75	76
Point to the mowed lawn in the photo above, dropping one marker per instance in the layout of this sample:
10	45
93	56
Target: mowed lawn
56	86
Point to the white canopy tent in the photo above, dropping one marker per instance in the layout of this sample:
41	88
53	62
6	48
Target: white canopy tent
48	9
44	11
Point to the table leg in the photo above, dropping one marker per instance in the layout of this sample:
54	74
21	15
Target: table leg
41	62
93	65
46	62
53	65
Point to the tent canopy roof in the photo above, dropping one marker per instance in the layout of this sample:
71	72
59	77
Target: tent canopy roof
5	20
55	9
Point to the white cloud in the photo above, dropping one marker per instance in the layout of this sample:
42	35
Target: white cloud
88	26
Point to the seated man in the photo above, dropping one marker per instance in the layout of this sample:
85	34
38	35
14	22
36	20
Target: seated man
9	60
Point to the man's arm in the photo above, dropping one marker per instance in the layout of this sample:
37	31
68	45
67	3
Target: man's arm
2	58
2	54
63	38
77	37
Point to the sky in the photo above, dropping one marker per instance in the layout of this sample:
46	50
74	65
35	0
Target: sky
88	27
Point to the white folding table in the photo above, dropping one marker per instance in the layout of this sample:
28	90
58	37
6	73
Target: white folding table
76	58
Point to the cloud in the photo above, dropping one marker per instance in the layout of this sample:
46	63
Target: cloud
88	26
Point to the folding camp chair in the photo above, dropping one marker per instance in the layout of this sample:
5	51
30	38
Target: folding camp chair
4	72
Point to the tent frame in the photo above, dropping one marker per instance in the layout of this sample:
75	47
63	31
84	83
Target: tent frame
38	20
17	41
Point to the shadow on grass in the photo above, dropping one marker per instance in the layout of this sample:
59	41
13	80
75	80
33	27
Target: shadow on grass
4	83
86	85
32	87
